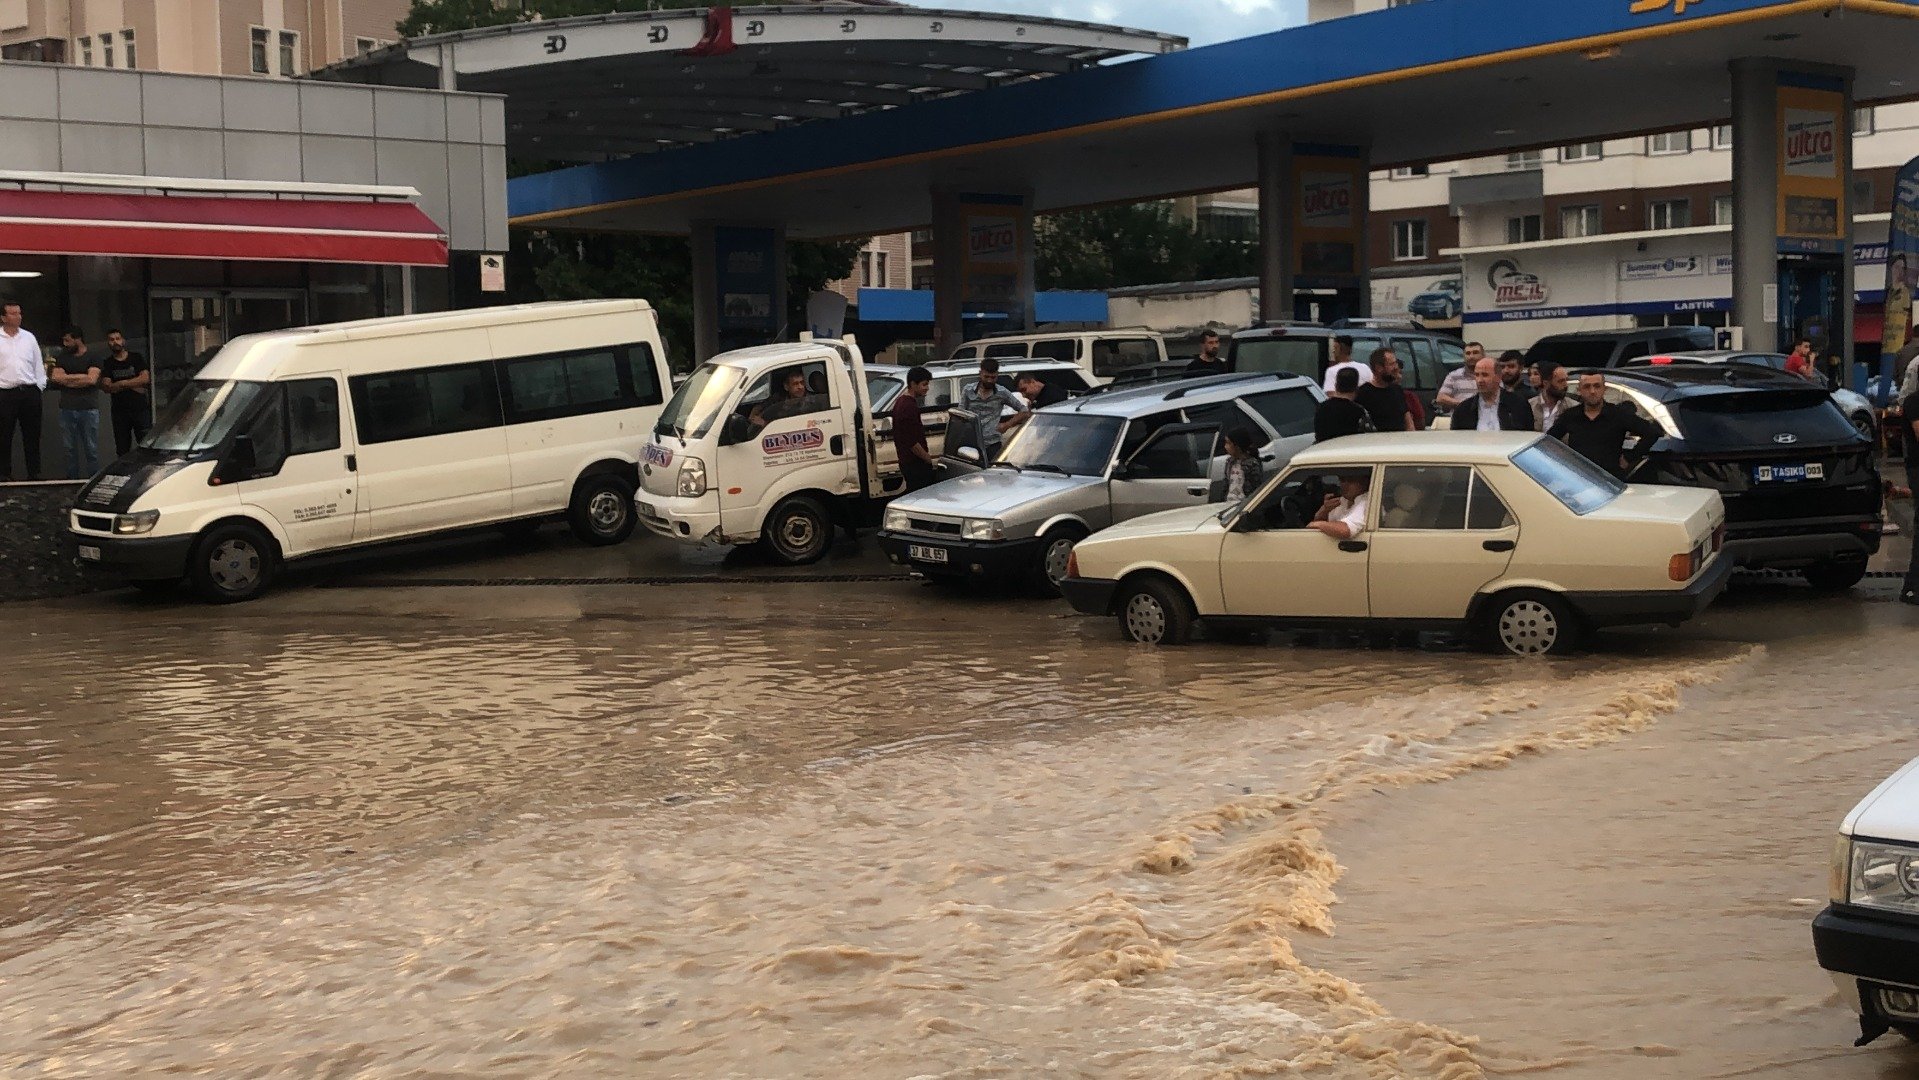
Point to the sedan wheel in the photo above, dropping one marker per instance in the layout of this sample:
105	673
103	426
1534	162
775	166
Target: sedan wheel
1533	624
1155	612
1145	619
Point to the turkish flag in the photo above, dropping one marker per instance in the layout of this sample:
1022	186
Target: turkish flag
718	38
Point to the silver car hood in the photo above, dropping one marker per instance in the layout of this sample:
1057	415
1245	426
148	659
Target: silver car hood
990	494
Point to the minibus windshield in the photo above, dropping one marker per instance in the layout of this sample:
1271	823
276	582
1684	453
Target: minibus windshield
699	402
202	414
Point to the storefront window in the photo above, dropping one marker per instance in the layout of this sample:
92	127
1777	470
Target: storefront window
343	293
108	293
34	282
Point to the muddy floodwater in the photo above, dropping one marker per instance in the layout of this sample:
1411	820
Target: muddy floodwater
882	830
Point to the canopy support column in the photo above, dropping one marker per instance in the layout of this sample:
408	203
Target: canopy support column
739	287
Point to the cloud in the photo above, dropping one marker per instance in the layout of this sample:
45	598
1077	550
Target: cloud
1203	21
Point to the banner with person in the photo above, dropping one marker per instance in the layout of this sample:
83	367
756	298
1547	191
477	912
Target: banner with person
1902	260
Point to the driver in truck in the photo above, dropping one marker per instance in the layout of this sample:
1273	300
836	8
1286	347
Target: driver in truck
792	400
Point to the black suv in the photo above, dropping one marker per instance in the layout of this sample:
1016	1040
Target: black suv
1611	348
1801	484
1306	349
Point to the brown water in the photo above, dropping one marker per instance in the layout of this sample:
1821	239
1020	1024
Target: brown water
825	831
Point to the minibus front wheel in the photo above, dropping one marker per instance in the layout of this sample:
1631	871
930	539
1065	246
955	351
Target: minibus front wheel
232	561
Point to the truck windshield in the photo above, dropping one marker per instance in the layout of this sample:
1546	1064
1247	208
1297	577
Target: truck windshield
1064	442
202	414
699	402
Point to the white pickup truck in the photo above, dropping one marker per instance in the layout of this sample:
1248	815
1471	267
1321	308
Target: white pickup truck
774	445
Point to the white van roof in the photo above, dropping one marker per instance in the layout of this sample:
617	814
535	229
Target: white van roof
257	353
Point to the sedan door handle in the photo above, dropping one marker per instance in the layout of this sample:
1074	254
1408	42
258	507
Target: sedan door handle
1352	546
1499	545
1195	491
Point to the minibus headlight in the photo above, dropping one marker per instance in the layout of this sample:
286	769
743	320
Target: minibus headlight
135	524
692	478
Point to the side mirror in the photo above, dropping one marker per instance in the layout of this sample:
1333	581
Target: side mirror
969	454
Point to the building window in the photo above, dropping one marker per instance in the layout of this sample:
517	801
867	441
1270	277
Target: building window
106	50
126	42
1576	221
1722	137
1526	159
1409	240
1722	209
259	56
1672	142
1669	214
1524	229
880	272
86	52
289	52
1862	121
1411	171
1590	151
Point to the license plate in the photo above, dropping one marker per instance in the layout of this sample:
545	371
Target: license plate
91	554
1788	474
922	553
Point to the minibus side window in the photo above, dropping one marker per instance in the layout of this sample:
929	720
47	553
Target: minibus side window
399	405
313	416
555	385
268	430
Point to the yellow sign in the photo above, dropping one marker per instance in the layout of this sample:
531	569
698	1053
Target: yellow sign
1647	7
1812	165
1327	216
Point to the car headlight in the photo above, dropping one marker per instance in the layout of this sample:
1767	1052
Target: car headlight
135	524
692	478
993	529
895	521
1882	876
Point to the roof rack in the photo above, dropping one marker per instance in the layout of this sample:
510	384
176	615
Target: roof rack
1215	381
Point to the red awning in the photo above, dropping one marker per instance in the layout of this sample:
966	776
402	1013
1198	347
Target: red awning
192	227
1868	324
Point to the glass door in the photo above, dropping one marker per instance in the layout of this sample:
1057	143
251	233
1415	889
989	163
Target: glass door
188	326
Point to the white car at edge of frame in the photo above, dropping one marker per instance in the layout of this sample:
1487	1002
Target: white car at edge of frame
1510	536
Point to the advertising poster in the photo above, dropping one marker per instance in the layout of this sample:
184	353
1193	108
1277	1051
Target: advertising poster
1902	259
1812	165
997	240
747	262
1326	233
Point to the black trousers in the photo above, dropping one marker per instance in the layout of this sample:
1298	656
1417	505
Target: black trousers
918	473
20	406
131	421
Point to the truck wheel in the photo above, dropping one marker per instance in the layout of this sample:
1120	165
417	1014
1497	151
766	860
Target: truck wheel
1153	611
1837	575
601	512
1049	565
797	532
1530	623
231	563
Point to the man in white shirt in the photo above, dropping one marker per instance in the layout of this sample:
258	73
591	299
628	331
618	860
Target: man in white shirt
1343	516
23	374
1343	358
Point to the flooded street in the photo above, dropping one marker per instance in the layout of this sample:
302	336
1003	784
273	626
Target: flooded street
881	830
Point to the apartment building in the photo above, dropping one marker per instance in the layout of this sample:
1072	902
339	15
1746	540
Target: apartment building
884	262
1609	234
276	38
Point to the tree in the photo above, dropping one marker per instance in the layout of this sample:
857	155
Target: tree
547	264
1116	246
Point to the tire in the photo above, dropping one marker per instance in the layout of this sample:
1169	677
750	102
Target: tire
601	512
1049	564
1154	611
1835	576
798	532
1530	623
1862	423
156	586
231	563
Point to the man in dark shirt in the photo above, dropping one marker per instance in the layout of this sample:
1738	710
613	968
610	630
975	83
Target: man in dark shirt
1512	374
1339	414
1038	392
1382	398
909	433
76	372
126	379
1909	427
1598	429
1209	361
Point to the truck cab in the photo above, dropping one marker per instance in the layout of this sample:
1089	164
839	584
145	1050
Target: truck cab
771	445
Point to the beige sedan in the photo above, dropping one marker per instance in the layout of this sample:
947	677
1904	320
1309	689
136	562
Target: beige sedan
1509	536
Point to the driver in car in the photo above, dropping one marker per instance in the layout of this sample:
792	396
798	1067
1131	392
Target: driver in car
1343	516
792	400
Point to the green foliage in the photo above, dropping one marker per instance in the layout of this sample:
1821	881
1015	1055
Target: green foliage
1145	244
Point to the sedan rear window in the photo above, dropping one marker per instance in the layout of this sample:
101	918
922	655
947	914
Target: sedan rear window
1768	421
1574	481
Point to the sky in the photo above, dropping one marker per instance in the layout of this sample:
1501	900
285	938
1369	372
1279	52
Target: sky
1204	21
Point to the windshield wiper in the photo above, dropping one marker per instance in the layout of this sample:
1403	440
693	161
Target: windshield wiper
1040	466
1005	465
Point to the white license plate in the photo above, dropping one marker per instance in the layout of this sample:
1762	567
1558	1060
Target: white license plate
92	554
1789	474
923	553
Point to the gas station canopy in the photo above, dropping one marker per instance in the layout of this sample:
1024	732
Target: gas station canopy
601	87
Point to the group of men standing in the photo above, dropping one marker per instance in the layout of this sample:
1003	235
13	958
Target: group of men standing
80	374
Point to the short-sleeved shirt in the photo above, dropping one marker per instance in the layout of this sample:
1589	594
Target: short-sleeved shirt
1331	382
1353	514
1458	384
79	364
908	429
1798	365
1338	417
1385	404
121	370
